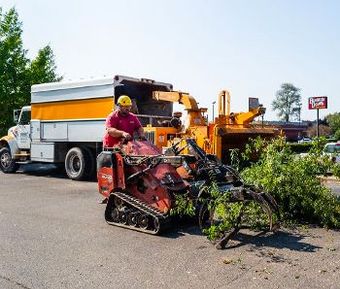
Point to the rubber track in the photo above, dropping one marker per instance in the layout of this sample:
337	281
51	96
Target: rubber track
163	219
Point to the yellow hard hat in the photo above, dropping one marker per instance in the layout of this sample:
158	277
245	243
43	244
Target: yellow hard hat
124	100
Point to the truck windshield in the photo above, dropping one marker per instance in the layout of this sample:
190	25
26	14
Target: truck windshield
25	117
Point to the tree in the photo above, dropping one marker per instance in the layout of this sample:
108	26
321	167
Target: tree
287	102
334	123
42	68
337	134
17	72
13	67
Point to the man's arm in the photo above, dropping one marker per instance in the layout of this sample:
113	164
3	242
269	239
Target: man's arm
141	133
111	124
139	129
117	133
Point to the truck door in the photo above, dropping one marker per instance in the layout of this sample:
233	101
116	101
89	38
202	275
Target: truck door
23	128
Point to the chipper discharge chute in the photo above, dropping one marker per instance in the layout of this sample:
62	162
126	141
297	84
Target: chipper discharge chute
142	185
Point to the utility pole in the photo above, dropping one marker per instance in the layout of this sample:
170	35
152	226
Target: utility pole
317	123
213	111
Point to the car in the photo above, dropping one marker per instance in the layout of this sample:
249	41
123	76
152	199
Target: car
305	139
332	149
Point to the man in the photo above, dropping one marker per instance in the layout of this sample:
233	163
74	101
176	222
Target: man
121	123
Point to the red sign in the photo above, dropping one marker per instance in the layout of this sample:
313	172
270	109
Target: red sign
317	102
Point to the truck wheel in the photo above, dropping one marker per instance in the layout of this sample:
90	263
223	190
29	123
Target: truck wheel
78	164
7	164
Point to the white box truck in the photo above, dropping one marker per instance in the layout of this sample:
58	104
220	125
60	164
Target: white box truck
65	123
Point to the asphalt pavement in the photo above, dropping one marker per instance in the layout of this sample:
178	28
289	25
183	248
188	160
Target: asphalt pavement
53	235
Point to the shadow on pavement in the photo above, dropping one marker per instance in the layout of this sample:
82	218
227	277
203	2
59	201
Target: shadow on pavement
47	170
38	169
279	240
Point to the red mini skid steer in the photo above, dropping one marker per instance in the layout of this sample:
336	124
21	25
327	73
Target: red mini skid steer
141	185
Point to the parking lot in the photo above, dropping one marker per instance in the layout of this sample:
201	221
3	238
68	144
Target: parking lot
53	235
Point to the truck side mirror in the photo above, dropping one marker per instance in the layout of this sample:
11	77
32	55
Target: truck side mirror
16	114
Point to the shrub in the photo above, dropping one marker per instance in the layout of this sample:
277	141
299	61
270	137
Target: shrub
295	184
336	170
300	147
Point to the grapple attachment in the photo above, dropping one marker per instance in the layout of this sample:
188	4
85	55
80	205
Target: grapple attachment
216	188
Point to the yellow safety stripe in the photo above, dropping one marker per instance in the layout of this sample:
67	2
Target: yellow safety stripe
73	109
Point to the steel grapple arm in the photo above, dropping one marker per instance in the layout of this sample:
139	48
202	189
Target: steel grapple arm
221	182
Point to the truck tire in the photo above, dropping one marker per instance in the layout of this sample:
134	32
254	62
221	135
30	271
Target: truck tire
79	163
7	164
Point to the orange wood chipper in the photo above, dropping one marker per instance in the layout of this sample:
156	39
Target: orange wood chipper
227	131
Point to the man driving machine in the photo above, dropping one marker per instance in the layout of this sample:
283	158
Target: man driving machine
121	123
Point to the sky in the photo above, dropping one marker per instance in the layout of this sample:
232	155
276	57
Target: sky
249	47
